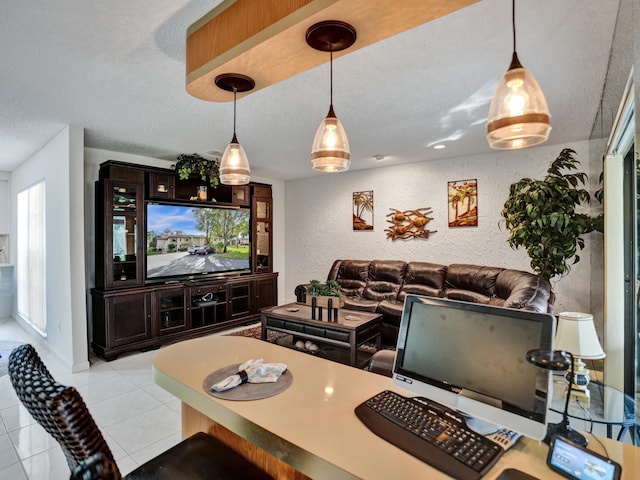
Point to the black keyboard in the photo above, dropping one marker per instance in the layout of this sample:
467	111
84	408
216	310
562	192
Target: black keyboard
430	432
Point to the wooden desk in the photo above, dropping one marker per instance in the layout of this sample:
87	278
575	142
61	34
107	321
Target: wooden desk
311	426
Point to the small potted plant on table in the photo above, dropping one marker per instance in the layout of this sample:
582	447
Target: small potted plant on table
323	292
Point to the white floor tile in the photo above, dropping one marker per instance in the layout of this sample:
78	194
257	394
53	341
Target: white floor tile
7	394
116	449
13	472
31	440
16	417
159	393
104	390
86	377
145	429
47	465
155	449
126	465
8	454
123	407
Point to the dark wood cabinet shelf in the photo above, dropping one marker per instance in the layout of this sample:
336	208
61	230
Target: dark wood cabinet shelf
131	313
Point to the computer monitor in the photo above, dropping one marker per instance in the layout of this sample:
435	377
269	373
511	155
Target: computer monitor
471	358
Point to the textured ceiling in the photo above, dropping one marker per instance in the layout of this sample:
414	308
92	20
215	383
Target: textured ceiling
117	69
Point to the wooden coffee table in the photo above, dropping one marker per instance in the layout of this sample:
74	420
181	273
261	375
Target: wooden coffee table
349	331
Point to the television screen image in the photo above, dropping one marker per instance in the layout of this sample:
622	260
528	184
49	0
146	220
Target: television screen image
187	240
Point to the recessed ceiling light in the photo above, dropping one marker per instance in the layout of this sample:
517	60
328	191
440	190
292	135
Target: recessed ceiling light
379	157
439	146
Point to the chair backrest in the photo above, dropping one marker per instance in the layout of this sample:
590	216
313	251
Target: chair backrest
96	467
60	410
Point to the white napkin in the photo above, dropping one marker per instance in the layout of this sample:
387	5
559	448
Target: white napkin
252	371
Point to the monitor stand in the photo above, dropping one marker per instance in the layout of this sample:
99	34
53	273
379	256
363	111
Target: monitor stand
480	426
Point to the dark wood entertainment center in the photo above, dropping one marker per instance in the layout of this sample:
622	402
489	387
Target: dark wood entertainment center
133	312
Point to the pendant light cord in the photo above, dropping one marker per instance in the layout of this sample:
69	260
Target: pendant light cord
331	75
235	92
513	22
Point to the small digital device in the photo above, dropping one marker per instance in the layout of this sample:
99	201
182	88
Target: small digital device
472	358
578	463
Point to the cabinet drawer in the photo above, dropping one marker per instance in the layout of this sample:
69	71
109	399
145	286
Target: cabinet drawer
195	291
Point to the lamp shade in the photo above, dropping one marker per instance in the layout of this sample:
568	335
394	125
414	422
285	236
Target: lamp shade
330	151
577	334
234	165
518	115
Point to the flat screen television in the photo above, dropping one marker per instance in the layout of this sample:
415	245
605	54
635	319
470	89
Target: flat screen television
189	241
471	358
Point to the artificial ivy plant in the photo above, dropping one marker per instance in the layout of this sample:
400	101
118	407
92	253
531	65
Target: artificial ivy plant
329	289
541	216
193	163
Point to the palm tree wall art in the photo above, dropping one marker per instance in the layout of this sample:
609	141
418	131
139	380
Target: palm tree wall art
463	203
363	210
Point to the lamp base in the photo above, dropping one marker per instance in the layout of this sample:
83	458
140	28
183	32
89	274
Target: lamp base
584	396
565	431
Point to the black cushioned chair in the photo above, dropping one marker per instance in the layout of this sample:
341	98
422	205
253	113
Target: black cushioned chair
61	411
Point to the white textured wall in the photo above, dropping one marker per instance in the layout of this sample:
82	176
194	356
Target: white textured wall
318	226
60	164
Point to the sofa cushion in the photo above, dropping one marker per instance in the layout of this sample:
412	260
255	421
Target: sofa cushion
423	278
351	275
385	279
476	278
425	273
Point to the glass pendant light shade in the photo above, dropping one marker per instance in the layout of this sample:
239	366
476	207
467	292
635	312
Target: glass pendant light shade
234	165
518	115
330	150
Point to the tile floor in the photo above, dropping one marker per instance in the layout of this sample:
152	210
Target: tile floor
122	398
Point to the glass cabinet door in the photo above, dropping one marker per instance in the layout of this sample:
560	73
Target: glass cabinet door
124	248
262	235
123	219
262	247
170	311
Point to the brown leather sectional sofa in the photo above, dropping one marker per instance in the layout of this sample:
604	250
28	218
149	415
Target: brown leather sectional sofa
381	285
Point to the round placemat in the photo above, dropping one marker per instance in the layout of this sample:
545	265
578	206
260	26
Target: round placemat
245	391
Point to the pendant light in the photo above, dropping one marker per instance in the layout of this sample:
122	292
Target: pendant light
234	165
518	115
330	150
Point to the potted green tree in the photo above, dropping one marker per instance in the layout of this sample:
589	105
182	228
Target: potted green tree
542	218
189	164
323	292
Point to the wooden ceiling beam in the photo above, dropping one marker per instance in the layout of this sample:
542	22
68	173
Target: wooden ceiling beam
265	39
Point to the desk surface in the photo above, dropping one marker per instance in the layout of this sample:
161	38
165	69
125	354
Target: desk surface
312	426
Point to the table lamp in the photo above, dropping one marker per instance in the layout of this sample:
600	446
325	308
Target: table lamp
560	361
576	333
